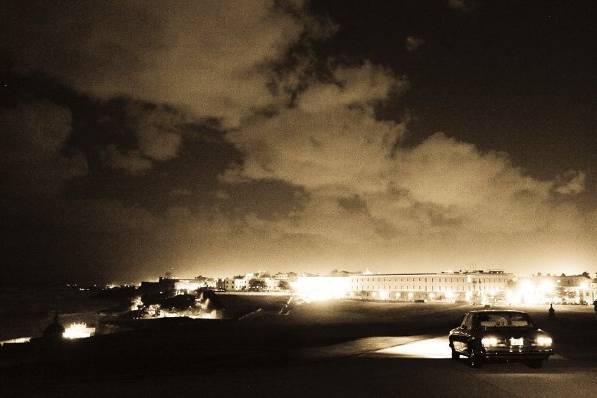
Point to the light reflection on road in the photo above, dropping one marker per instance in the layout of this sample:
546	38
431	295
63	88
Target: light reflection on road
427	348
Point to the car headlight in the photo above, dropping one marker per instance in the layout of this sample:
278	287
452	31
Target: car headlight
544	341
489	341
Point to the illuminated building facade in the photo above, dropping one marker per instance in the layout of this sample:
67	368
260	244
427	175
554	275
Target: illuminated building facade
481	286
276	282
191	285
477	286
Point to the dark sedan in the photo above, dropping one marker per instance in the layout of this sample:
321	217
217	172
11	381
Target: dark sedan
509	335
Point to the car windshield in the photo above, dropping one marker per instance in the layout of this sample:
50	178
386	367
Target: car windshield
504	319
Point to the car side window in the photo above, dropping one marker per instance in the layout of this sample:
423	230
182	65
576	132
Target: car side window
464	318
468	322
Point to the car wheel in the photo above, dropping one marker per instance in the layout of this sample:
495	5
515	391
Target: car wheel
535	363
474	359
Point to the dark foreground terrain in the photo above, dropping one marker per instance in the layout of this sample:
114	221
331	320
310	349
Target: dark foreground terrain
342	348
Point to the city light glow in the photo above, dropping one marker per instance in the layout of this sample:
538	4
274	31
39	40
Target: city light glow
538	290
192	314
321	288
78	330
185	286
547	286
136	303
18	340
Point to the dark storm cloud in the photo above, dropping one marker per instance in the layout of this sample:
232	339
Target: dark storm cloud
149	133
34	160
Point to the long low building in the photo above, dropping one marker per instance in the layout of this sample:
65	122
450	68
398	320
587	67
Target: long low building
478	286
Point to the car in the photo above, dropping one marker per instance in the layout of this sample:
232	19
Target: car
500	334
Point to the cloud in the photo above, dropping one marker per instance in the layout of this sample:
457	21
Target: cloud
132	161
209	57
413	43
34	148
371	199
570	183
346	147
321	180
360	85
333	144
157	130
484	188
447	172
105	216
460	5
352	203
331	137
180	192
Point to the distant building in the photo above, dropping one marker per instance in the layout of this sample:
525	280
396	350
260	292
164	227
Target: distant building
191	285
481	286
225	284
242	282
275	282
593	291
476	286
162	286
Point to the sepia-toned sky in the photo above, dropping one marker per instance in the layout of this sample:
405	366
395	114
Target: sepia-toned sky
222	137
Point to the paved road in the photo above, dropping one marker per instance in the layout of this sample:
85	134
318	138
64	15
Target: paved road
560	377
417	366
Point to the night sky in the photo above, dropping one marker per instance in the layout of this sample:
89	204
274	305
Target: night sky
221	137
